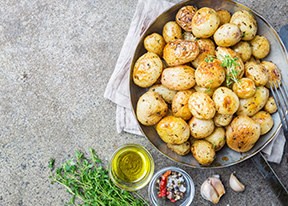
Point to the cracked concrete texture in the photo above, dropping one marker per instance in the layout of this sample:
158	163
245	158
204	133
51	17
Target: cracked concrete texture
56	58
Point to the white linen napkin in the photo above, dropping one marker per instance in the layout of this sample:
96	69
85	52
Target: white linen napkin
117	89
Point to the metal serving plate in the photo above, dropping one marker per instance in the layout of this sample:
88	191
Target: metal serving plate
225	157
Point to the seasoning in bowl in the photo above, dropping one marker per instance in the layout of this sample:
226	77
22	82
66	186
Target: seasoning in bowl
171	186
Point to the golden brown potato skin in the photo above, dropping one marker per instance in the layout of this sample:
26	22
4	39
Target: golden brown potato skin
254	104
201	128
210	74
154	43
180	149
274	74
222	119
256	72
205	22
242	133
201	106
224	16
244	50
167	94
227	35
184	17
151	107
208	91
171	31
260	47
265	120
226	101
207	49
244	88
270	105
203	152
178	78
180	52
173	130
147	70
180	104
217	138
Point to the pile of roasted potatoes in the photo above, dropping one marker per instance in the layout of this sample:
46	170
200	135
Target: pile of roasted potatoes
207	84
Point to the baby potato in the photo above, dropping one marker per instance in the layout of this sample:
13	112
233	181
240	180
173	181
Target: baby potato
227	35
147	70
226	101
208	91
205	22
242	133
257	73
178	78
244	88
254	104
217	138
244	50
260	46
180	149
189	36
201	128
207	50
180	104
274	74
184	17
180	52
203	152
167	94
224	16
226	54
154	43
265	120
171	31
270	105
151	107
222	119
210	74
173	130
246	22
201	106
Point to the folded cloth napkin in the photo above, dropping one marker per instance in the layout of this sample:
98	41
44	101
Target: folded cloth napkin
117	89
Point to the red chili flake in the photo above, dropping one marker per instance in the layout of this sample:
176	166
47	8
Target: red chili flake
163	183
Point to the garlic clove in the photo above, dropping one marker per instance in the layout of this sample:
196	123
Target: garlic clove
235	184
212	189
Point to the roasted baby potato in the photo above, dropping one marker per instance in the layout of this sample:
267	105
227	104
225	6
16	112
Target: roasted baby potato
224	16
184	17
217	138
244	50
151	107
201	106
189	36
178	78
171	31
203	152
201	128
274	74
242	133
254	104
180	149
246	22
154	43
205	22
265	120
173	130
210	74
260	46
270	105
180	104
208	91
244	88
222	119
226	101
147	70
167	94
227	35
180	52
257	73
207	50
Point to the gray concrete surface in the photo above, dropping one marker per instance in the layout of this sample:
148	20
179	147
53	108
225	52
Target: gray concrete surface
55	60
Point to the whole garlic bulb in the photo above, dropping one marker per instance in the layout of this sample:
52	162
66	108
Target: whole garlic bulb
235	184
212	189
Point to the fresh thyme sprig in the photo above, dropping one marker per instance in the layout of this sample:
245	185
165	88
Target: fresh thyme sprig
88	181
209	58
232	73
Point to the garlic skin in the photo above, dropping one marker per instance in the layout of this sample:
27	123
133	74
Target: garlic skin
235	184
212	189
